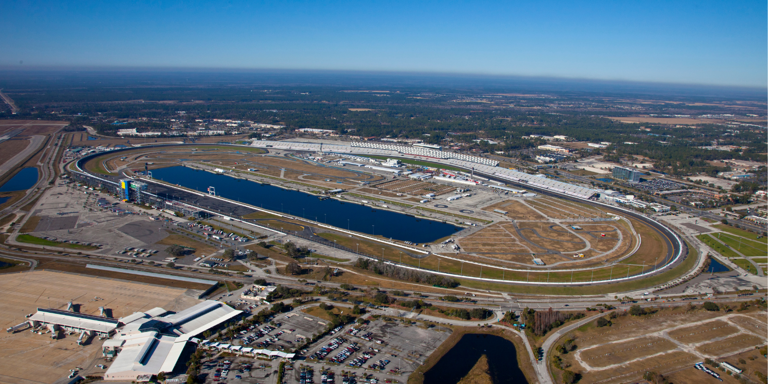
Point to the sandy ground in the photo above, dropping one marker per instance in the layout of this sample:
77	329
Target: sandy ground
26	357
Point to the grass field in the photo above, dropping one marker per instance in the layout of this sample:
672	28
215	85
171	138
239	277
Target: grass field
30	225
744	246
200	248
29	239
685	266
712	243
746	265
741	232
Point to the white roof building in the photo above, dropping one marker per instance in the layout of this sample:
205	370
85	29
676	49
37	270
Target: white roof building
153	341
73	320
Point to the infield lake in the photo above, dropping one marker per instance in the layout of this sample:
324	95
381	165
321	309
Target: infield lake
339	214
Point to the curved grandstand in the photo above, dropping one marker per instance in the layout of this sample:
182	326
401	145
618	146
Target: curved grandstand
618	246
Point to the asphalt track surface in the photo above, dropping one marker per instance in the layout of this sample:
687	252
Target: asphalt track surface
34	143
171	193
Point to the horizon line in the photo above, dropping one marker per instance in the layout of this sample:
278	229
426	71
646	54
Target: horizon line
22	67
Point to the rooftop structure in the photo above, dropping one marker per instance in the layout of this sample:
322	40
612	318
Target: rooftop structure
73	321
153	341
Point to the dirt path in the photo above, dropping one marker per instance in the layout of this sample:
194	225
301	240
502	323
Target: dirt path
681	346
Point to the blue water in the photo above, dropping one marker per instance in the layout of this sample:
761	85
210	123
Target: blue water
715	266
333	212
25	179
4	199
605	179
456	363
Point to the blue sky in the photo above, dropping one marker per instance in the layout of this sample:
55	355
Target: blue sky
699	42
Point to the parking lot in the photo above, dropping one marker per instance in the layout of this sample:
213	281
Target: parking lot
378	351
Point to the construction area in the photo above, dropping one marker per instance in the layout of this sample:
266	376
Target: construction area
669	341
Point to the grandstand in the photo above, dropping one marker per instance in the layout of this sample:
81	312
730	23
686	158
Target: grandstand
366	148
477	164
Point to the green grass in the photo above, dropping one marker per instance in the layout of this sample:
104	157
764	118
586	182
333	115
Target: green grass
746	265
418	162
760	259
670	275
712	243
29	239
740	232
746	248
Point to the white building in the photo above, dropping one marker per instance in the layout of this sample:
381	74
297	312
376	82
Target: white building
554	148
153	341
316	131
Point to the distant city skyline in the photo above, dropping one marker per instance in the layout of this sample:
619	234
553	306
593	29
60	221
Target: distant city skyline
680	42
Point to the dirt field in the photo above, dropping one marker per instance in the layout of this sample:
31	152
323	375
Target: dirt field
663	120
551	236
200	248
731	344
516	210
701	333
29	358
621	352
10	148
551	211
632	345
31	127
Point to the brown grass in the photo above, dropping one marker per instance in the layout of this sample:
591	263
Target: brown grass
30	225
200	248
731	344
516	210
704	332
617	353
662	120
750	323
76	266
479	374
635	370
12	147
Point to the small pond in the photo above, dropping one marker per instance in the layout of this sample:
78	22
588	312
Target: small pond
25	179
715	266
454	365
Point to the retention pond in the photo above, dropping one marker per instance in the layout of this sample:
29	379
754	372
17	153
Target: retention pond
454	365
25	179
339	214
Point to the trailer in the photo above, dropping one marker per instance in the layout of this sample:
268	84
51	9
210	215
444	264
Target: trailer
18	327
